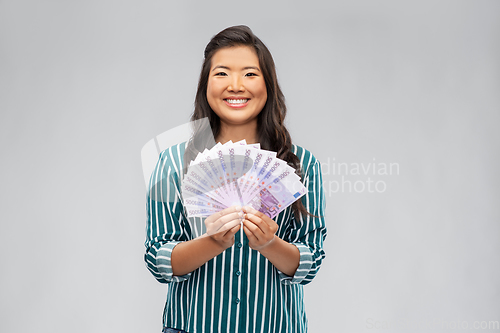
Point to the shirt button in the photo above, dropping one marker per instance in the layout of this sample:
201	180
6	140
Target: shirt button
239	245
238	273
237	301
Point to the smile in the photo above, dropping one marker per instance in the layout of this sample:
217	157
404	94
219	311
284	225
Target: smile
236	103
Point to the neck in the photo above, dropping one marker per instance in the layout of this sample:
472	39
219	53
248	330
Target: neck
236	133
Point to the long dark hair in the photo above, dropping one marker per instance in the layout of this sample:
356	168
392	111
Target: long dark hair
272	133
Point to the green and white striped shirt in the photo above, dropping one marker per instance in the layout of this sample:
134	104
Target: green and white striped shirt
239	290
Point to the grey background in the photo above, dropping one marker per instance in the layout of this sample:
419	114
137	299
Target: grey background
85	84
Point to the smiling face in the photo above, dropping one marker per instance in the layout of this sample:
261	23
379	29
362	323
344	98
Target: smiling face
236	89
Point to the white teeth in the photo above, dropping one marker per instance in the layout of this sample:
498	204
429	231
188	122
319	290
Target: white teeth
236	101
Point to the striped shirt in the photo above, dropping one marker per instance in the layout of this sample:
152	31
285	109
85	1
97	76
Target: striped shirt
239	290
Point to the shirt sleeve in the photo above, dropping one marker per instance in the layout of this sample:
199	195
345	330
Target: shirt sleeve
165	221
307	233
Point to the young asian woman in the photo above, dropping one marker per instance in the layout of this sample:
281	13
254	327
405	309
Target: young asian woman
246	274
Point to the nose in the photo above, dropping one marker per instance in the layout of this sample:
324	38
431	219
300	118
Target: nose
236	84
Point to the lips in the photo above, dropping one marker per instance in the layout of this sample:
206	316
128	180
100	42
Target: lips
236	102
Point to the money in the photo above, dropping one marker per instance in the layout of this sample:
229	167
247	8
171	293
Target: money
237	173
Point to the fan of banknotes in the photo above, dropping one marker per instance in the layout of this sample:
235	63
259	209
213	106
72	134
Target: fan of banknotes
239	174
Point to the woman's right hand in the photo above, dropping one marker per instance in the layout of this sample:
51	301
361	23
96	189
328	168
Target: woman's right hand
223	225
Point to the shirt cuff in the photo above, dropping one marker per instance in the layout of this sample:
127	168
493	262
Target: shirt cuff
305	264
164	264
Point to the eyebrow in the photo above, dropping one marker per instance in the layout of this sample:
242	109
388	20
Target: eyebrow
244	68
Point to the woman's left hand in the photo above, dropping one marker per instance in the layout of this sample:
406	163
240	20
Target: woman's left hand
259	228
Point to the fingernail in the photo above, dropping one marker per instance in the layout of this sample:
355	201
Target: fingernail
241	213
237	208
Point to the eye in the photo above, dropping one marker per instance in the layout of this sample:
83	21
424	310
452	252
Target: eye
220	74
250	74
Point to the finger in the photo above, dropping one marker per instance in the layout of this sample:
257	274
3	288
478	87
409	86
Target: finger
219	224
229	225
267	223
212	218
251	237
231	232
253	229
221	220
253	211
257	221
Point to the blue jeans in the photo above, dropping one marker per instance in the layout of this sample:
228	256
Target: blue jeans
172	330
